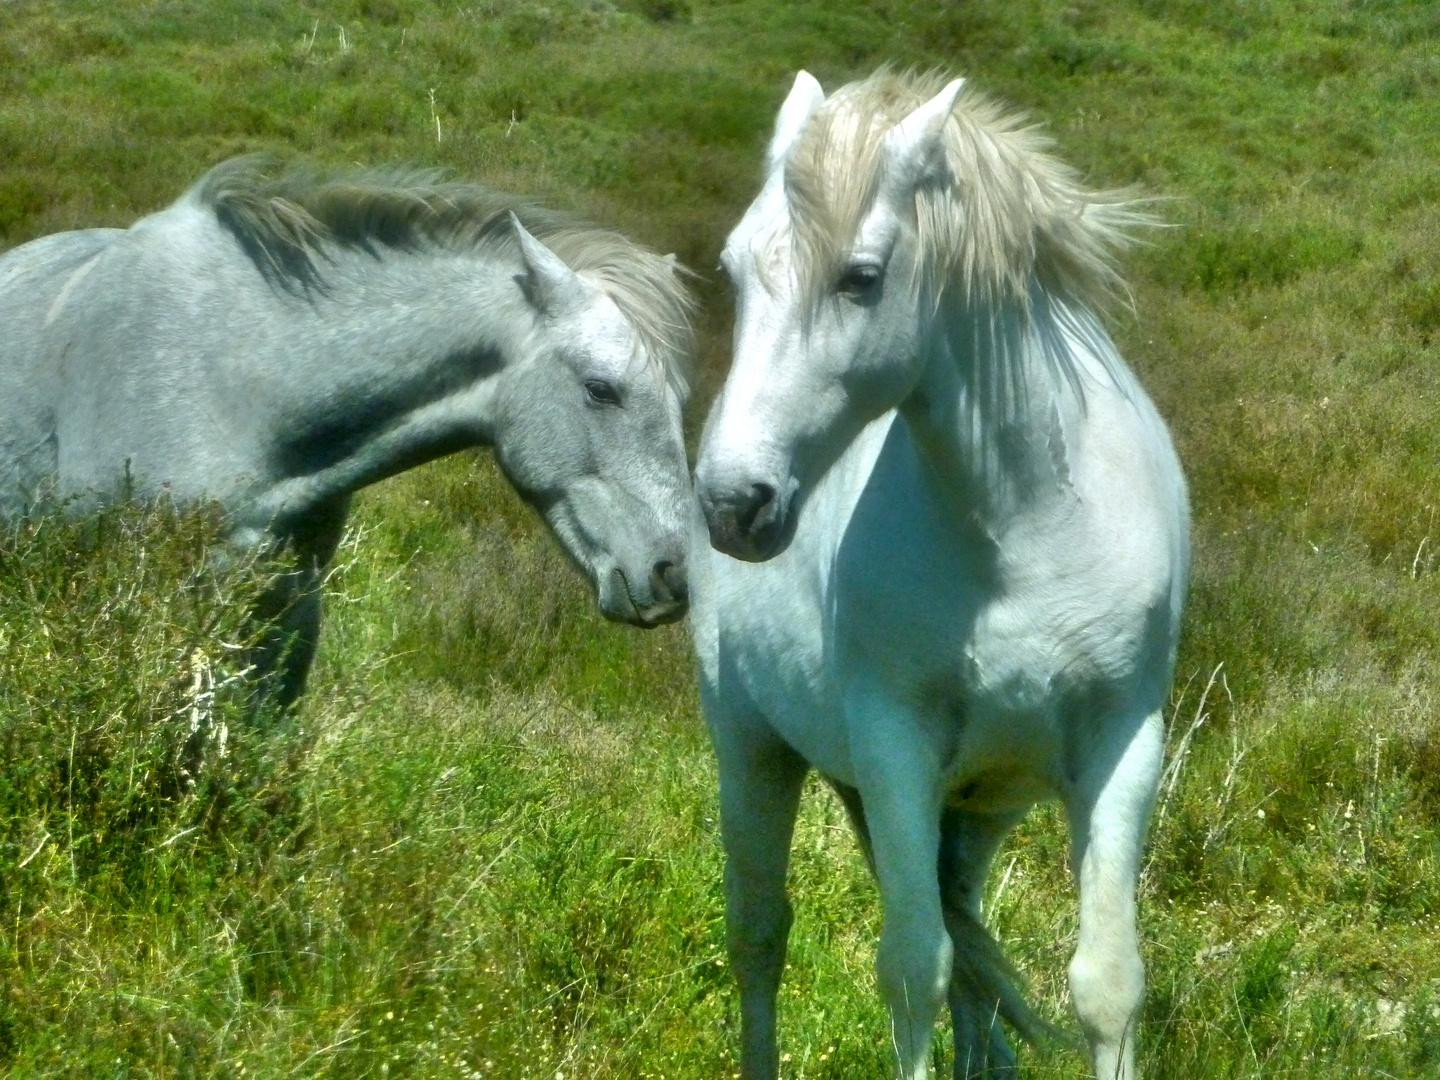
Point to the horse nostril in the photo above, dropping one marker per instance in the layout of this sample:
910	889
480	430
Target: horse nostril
667	580
761	510
753	511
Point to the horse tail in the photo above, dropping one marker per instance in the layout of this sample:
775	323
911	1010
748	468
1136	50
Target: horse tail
981	971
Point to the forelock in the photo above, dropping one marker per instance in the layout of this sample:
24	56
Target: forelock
1012	215
648	289
832	174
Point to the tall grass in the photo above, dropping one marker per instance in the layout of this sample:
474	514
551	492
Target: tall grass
486	846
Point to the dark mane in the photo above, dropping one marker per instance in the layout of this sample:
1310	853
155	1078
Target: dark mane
285	217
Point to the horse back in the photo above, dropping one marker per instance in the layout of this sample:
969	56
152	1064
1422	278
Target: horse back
122	356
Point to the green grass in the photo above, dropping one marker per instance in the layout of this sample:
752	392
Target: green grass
487	846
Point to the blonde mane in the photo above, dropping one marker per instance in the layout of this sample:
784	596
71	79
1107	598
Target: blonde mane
285	219
1014	215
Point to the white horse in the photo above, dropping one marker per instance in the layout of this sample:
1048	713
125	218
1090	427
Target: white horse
965	539
277	342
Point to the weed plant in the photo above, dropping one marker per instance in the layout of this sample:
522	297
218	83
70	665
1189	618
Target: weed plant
486	846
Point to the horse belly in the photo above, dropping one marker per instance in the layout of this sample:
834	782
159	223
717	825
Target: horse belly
1006	749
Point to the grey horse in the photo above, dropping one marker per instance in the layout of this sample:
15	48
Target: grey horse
278	339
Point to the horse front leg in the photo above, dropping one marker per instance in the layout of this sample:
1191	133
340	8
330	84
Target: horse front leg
899	780
1109	810
981	992
289	614
760	782
289	611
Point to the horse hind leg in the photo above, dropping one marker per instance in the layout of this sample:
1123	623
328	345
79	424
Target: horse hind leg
855	811
1108	814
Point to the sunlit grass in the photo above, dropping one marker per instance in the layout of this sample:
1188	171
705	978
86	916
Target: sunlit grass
487	845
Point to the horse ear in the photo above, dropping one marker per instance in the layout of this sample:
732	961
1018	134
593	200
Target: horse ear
548	283
804	98
915	147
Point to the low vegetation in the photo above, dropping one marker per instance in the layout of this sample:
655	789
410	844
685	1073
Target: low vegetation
486	845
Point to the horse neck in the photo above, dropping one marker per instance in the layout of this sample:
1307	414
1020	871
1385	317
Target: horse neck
395	362
988	415
405	320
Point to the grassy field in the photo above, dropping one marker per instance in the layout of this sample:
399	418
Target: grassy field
486	847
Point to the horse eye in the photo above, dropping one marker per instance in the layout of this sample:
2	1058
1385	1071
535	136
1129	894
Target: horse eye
859	280
601	392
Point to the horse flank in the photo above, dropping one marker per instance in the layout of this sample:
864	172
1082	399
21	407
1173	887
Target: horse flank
286	220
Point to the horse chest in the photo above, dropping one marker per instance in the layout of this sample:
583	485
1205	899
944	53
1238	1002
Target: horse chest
933	631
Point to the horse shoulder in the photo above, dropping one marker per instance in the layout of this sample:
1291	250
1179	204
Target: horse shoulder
1121	503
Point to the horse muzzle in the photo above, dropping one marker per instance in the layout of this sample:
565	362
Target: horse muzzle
751	522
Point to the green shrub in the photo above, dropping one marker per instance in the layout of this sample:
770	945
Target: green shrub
136	764
123	688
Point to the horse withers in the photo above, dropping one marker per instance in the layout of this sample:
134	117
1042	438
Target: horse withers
276	342
948	545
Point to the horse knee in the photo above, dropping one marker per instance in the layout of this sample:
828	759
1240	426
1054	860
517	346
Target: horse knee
913	963
756	930
913	967
759	928
1108	989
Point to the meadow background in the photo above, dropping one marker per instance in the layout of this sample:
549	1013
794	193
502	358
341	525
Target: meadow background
486	847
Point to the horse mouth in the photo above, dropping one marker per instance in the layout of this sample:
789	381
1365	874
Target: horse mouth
753	545
668	602
660	616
